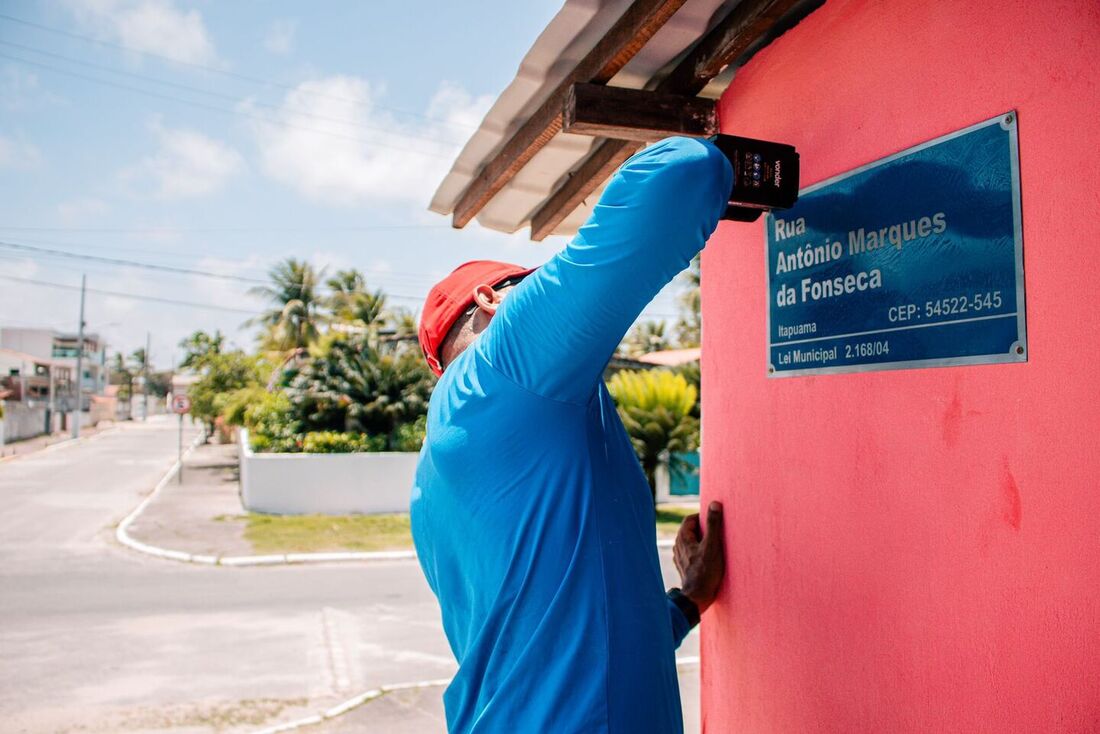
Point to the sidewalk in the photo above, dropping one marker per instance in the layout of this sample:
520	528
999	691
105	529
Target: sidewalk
420	710
198	515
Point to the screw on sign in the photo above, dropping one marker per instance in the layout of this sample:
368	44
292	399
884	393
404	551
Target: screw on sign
181	404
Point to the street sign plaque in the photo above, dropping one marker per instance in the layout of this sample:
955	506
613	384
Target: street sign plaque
911	261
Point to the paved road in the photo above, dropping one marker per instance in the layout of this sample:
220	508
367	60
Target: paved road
95	638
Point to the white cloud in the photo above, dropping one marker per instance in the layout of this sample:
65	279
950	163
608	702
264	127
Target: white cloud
20	89
187	164
151	26
81	209
18	154
279	39
332	143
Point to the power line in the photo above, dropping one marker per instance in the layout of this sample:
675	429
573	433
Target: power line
194	304
223	72
129	263
132	296
36	251
222	110
214	230
231	98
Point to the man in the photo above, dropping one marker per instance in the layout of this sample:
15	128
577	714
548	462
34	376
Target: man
531	516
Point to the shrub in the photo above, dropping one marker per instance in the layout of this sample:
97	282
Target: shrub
655	407
351	386
266	444
410	436
333	442
223	375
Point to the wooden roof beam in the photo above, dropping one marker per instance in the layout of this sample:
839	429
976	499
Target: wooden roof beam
634	114
610	54
747	23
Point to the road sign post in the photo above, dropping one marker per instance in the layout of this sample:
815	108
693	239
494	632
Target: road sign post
181	405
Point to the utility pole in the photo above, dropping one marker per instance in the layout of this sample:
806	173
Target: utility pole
79	361
53	401
145	388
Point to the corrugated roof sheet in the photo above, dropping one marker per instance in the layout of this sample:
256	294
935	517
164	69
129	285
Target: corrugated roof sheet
570	35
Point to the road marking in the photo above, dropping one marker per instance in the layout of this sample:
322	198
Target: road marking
335	654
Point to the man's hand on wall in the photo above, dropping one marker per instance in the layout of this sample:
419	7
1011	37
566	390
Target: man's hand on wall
701	557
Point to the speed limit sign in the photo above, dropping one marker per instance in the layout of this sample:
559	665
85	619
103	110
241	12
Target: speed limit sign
181	404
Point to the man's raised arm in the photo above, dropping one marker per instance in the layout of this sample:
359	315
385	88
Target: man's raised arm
555	333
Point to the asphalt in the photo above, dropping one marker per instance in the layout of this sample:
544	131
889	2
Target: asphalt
96	638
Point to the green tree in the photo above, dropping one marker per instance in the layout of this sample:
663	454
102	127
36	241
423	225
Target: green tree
138	359
690	324
353	387
198	347
223	375
655	407
350	302
123	376
294	294
645	337
403	322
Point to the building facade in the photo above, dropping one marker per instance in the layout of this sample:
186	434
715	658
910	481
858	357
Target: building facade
914	550
62	348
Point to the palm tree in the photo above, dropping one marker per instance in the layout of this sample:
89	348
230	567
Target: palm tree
125	376
689	327
646	337
353	387
351	303
296	301
403	322
200	347
655	407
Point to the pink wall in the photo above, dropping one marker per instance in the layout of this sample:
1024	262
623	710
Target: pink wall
919	550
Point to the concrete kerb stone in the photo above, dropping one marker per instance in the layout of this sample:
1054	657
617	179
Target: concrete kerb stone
375	693
123	536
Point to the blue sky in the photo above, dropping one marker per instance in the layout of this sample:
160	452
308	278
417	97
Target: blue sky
316	130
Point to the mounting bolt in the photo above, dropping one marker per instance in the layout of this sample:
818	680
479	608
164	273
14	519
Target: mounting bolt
1019	350
1009	118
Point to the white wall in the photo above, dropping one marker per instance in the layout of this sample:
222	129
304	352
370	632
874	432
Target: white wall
21	421
328	484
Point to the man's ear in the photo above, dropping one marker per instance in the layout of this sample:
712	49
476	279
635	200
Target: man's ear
487	299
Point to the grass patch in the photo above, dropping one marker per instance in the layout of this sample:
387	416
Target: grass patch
310	533
314	533
669	519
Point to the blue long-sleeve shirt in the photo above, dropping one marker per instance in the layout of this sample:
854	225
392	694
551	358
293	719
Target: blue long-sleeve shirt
531	516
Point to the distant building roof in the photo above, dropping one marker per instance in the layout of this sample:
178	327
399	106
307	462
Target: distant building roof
15	354
672	357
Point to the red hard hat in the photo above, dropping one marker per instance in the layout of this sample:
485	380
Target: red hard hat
450	297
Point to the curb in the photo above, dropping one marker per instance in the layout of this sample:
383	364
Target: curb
375	693
122	535
352	703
